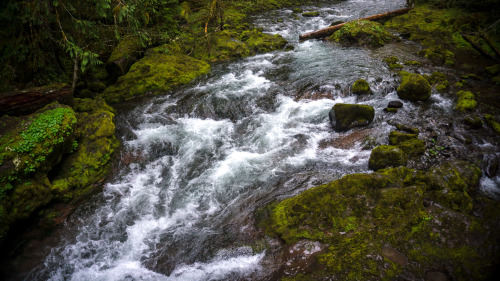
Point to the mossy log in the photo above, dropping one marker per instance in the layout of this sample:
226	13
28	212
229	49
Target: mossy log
27	101
325	32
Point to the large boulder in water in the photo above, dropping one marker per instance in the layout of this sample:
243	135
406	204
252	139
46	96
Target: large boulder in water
363	33
414	88
361	87
347	116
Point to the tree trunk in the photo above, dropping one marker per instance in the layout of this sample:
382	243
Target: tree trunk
27	101
331	29
75	73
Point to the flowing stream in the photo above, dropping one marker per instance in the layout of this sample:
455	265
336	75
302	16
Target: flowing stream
199	160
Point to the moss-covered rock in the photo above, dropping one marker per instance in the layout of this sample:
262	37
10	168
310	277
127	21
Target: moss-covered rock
406	128
363	33
384	156
361	87
95	145
55	155
466	101
123	56
311	14
393	63
493	70
154	73
27	153
473	122
414	87
369	220
412	147
97	86
260	42
439	80
348	116
396	137
493	123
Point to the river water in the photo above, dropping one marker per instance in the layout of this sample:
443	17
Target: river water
199	160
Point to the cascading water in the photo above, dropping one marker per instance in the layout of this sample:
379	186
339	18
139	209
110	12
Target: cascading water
202	158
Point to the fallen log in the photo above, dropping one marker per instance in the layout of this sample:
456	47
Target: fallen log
24	102
325	32
479	49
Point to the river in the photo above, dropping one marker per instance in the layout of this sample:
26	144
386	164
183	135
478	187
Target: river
199	160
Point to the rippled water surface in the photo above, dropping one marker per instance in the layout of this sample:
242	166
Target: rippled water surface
199	160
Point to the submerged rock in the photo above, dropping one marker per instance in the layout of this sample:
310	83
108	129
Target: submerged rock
361	87
363	33
347	116
414	87
473	122
384	156
395	104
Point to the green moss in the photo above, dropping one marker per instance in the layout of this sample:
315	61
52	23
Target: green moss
406	128
128	47
396	138
466	101
385	156
473	122
432	27
412	63
154	73
361	87
97	86
393	63
348	116
414	88
439	80
361	214
297	10
76	148
412	147
311	14
492	122
363	33
493	70
262	43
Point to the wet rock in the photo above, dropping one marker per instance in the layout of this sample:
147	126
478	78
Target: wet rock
361	87
394	256
414	87
473	122
363	33
393	63
347	116
348	141
395	104
492	122
385	156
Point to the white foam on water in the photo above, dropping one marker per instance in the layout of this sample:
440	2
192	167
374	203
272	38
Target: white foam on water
491	186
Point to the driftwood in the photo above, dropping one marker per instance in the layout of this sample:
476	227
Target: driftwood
28	101
331	29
